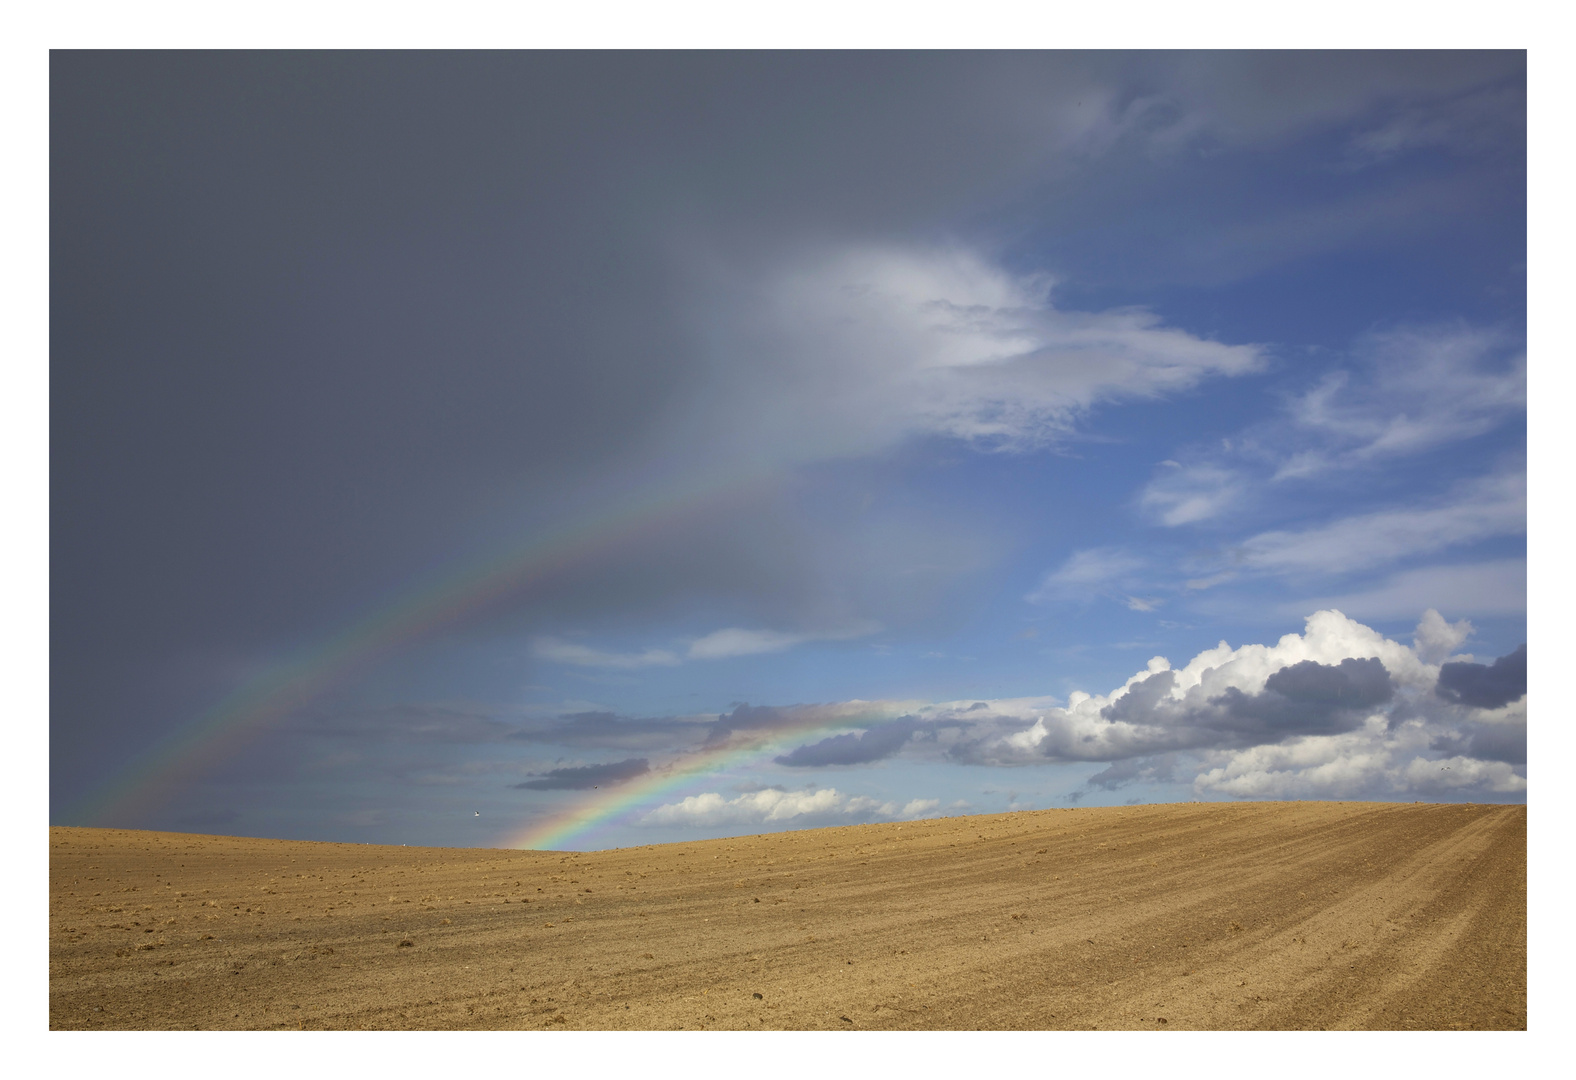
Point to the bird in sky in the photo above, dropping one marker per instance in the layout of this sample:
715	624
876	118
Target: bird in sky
478	813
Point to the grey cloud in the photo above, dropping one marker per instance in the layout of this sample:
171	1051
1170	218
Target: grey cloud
1302	733
746	717
361	270
588	776
1475	121
1142	701
1505	742
1353	683
1157	770
1306	698
1265	95
1309	698
853	749
1485	686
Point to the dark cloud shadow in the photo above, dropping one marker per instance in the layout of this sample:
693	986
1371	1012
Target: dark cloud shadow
1485	686
588	776
853	749
1307	698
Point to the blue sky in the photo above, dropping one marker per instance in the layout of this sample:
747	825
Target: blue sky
995	391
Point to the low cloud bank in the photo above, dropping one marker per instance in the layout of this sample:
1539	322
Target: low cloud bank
583	777
773	805
872	745
1337	711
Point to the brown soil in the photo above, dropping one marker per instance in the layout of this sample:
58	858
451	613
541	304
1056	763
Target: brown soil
1268	915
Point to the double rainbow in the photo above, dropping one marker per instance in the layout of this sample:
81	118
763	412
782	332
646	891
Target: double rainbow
146	784
580	821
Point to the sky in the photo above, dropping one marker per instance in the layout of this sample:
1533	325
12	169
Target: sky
596	449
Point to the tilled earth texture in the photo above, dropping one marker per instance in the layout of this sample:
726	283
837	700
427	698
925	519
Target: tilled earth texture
1268	915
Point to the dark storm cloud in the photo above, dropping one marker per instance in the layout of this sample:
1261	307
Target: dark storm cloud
588	776
1485	686
325	324
853	749
330	312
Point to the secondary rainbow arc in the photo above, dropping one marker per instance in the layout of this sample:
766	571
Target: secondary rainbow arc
584	817
151	779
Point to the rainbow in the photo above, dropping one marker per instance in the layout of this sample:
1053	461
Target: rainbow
149	781
801	722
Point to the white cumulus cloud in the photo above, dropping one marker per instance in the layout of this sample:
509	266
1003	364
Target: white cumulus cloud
1337	711
772	805
1436	639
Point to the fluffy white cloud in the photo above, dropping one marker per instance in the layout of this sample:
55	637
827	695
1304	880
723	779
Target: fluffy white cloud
1161	709
772	805
1352	767
852	349
1337	711
1436	639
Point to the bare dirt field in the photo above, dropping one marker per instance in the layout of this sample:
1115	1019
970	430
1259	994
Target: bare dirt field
1266	915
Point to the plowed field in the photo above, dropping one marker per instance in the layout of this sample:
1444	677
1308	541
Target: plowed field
1266	915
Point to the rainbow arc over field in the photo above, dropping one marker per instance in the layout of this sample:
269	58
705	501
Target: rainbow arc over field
603	810
151	779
